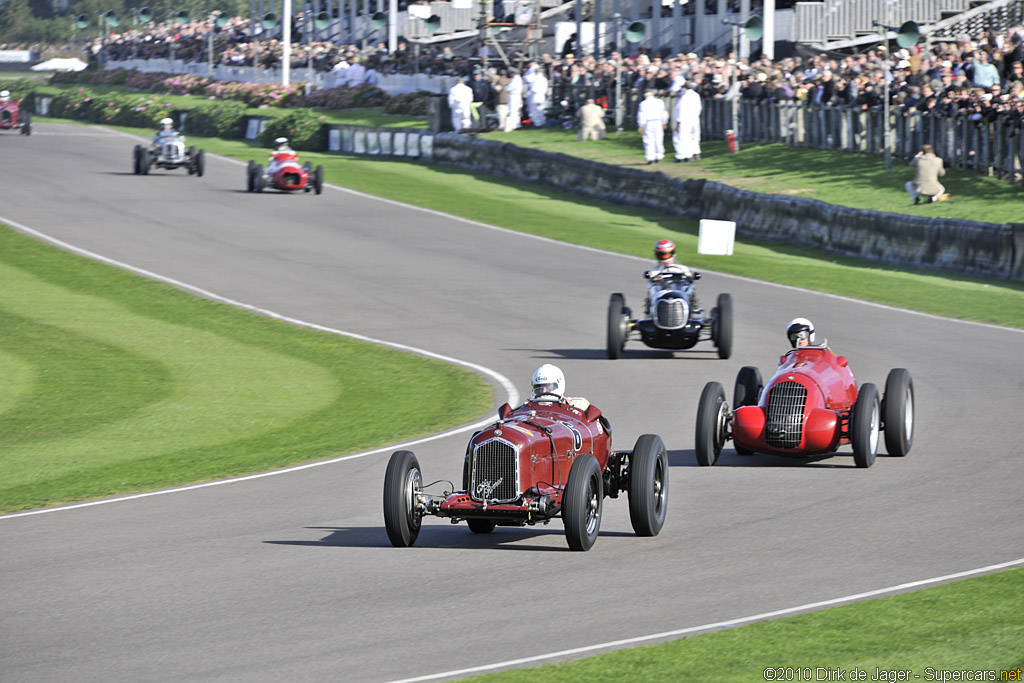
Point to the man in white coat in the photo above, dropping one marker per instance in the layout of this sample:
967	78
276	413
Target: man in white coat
686	132
537	84
651	117
515	101
460	101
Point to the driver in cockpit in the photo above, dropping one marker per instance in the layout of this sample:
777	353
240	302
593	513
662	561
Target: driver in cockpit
166	131
800	333
549	385
665	255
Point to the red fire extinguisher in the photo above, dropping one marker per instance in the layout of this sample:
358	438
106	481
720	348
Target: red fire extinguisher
731	137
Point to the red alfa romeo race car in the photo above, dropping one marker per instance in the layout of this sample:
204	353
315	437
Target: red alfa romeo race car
12	116
285	174
542	460
810	407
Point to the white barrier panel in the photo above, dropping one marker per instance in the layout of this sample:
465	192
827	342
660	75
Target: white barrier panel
372	142
427	147
254	127
346	140
398	148
385	143
334	140
716	237
359	142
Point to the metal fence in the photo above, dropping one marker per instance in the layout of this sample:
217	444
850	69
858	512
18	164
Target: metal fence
992	147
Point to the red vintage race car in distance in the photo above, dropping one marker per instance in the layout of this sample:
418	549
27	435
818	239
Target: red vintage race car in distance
810	407
287	175
542	460
13	117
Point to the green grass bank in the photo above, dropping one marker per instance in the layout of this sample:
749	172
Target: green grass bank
115	383
972	625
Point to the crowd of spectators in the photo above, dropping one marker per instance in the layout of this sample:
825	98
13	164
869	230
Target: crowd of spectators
242	42
976	76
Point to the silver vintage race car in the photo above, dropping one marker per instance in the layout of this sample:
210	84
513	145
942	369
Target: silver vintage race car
672	319
168	152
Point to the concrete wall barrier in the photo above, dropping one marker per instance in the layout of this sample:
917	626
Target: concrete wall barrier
944	244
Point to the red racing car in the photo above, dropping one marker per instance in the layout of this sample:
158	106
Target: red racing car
12	116
810	407
286	174
544	459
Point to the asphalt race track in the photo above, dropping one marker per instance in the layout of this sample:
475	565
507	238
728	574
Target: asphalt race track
292	577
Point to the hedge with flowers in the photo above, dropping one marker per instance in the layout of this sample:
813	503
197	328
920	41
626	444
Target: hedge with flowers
304	129
141	111
252	94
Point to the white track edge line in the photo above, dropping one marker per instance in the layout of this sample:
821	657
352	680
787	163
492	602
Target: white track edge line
715	626
548	240
512	395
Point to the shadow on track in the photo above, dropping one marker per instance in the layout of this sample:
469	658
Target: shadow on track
452	537
729	458
645	353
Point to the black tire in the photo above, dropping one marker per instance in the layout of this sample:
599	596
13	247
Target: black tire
26	125
648	485
898	412
191	152
746	393
721	331
136	160
401	481
200	163
261	182
616	325
481	526
582	503
864	425
144	160
712	411
318	182
308	167
250	177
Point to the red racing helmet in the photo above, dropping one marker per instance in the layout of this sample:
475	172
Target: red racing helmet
665	252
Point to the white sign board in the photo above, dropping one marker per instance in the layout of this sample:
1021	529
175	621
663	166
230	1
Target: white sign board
716	237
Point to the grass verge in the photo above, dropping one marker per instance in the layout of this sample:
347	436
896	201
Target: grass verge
972	625
115	383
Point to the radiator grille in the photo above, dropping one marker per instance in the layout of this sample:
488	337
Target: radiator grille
784	422
6	117
671	313
495	461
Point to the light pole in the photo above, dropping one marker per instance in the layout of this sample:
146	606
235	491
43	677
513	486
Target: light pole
907	36
753	29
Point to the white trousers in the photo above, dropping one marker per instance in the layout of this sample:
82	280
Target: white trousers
686	141
461	118
654	142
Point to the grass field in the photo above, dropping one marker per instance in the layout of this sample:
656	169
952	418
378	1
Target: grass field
972	625
114	383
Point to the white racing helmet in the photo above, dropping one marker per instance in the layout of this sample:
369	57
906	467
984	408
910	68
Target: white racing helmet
548	383
280	141
5	95
800	328
166	122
